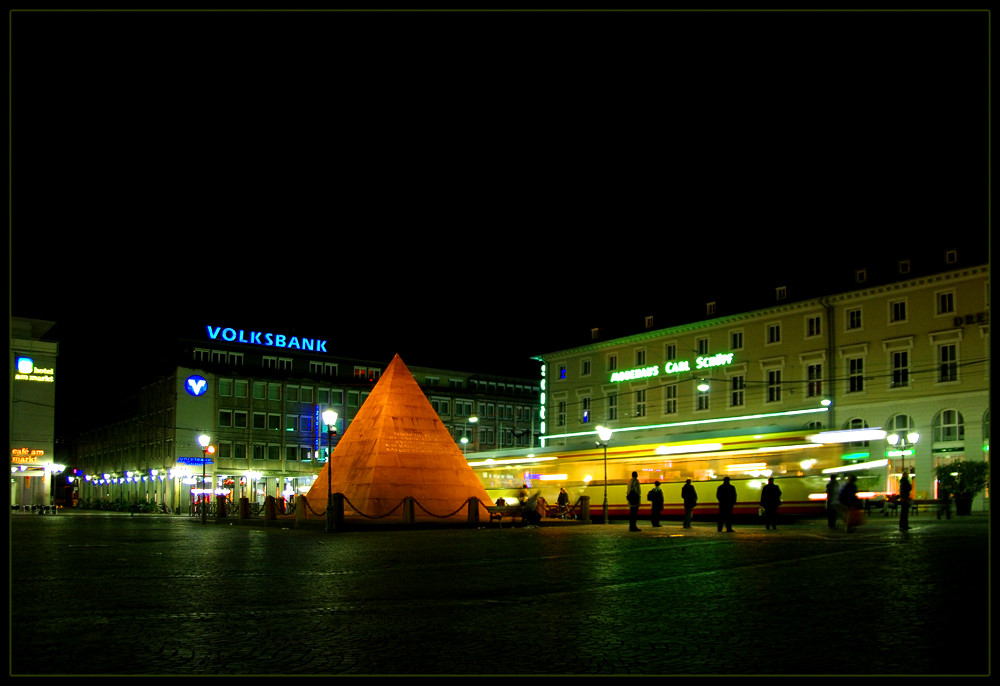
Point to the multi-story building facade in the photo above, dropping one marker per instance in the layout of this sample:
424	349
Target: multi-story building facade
32	413
909	355
260	398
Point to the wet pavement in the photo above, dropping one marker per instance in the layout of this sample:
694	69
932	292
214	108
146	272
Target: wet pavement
97	593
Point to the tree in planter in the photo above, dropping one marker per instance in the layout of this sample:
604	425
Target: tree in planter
964	479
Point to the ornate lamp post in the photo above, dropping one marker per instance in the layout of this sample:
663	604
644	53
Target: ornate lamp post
330	419
604	433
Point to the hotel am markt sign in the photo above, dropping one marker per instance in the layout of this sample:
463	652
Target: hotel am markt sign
267	339
673	367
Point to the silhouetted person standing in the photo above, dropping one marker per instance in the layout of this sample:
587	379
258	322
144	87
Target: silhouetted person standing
726	495
690	498
944	503
655	497
634	497
904	502
832	510
770	498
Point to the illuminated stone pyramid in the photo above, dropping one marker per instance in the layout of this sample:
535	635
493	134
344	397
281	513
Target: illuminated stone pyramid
396	447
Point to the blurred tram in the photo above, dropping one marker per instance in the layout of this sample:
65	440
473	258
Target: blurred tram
801	463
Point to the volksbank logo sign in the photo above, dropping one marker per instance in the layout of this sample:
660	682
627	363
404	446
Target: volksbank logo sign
196	385
266	338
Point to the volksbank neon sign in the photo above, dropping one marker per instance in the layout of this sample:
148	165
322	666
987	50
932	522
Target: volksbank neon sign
265	338
673	367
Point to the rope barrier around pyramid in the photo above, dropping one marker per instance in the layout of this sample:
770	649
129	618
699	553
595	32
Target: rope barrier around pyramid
397	453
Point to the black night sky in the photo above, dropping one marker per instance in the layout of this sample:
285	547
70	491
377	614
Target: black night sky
469	189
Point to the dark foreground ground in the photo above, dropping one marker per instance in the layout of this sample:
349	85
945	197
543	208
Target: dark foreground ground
165	595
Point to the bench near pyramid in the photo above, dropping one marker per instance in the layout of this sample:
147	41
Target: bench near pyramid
398	447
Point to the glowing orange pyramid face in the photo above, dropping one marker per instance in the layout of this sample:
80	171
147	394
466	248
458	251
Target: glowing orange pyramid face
396	447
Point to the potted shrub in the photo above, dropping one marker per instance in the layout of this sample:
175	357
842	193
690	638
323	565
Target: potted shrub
963	479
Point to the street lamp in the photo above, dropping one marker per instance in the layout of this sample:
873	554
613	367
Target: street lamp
465	438
910	439
203	441
604	433
330	418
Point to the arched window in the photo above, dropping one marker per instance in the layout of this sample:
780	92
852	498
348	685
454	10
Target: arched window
900	424
949	426
856	423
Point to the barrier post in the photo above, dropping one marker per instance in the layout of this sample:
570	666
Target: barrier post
270	512
300	511
244	510
585	509
337	515
220	507
474	511
408	510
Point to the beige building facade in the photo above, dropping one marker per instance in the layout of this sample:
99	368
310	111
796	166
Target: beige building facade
910	356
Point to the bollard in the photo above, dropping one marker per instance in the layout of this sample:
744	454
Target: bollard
335	513
270	513
585	509
408	510
300	511
474	511
244	510
220	507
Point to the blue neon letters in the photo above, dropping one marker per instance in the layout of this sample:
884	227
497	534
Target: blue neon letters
273	340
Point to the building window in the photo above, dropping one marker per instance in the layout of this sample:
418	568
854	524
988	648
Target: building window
239	451
710	309
948	362
949	425
946	303
240	419
900	369
814	326
585	406
640	403
855	424
225	418
737	387
670	351
274	452
612	363
257	451
904	266
774	385
259	390
774	333
562	372
291	422
780	293
814	385
292	453
670	399
703	346
612	407
736	340
242	388
897	311
561	413
854	319
860	275
855	375
585	368
702	400
274	391
640	358
259	420
225	387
